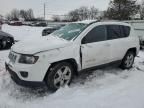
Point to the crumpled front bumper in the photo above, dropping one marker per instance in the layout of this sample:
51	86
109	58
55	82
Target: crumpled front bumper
18	81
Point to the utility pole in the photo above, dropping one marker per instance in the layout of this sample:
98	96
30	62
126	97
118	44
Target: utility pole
44	11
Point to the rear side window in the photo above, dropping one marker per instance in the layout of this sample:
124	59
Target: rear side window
117	31
95	35
113	32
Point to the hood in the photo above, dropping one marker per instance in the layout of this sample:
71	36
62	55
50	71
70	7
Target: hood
39	44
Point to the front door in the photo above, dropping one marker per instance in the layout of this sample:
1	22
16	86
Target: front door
95	49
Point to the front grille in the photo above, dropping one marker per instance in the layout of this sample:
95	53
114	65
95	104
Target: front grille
12	57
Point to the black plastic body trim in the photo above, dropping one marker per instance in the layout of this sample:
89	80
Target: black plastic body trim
114	63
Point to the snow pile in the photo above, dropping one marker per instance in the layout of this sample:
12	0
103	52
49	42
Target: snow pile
105	88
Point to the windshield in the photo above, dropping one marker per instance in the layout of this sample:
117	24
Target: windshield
70	31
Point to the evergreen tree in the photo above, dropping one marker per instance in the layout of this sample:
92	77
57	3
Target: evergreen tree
122	9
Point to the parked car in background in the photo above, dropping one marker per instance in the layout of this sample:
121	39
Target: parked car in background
15	23
49	30
6	40
32	23
78	46
40	24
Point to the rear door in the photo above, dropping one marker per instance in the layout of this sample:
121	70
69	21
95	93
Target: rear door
117	35
95	49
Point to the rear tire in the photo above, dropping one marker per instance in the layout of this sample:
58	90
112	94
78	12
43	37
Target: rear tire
59	75
4	43
128	60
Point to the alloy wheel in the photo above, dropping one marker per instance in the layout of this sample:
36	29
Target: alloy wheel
129	60
62	76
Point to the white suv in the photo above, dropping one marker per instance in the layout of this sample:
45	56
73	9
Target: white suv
53	60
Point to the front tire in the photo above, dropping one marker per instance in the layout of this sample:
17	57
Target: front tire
59	75
128	60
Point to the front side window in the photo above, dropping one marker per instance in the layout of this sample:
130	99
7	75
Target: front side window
95	35
70	31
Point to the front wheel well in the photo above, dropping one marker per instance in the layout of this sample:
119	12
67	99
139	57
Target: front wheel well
71	61
134	50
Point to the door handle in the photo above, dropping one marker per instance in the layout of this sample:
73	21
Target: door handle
89	46
82	46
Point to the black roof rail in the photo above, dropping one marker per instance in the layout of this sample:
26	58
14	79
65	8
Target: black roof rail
94	22
111	20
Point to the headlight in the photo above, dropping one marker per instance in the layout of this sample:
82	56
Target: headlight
28	59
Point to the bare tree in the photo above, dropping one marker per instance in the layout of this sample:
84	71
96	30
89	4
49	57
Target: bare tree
8	17
83	13
15	15
23	14
30	14
73	15
56	18
66	18
93	13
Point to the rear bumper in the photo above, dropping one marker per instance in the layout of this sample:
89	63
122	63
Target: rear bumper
18	81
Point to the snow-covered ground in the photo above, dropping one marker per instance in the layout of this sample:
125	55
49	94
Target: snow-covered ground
105	88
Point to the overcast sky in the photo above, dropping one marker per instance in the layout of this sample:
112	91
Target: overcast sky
55	7
52	6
